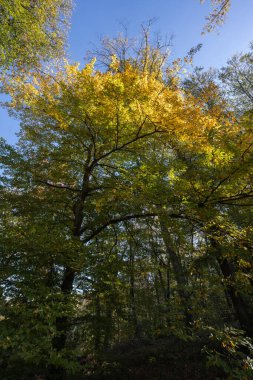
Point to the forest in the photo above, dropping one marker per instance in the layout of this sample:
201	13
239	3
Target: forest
126	233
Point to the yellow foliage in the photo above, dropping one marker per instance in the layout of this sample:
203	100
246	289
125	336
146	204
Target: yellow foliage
123	103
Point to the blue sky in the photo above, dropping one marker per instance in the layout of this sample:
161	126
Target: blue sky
184	19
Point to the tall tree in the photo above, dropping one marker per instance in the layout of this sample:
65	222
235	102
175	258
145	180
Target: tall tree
123	183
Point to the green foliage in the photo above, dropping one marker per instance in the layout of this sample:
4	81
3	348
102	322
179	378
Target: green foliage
32	31
233	353
125	215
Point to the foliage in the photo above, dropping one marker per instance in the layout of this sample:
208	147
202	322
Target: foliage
126	214
236	78
32	31
233	353
217	15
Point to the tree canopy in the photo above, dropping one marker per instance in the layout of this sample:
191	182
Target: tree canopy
126	215
32	31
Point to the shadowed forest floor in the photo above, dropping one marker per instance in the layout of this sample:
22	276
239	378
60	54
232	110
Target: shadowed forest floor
161	359
167	358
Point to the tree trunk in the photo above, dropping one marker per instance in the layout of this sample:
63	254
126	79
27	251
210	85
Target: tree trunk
179	272
134	318
242	308
108	325
69	274
62	322
97	333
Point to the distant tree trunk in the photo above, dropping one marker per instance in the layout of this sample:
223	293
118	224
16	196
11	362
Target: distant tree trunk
242	308
232	316
108	325
97	340
163	285
167	295
158	287
178	269
134	318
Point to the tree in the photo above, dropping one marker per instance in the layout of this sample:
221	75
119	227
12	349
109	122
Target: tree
237	79
218	14
32	31
122	205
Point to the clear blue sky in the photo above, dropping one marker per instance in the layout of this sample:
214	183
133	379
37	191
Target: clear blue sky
93	19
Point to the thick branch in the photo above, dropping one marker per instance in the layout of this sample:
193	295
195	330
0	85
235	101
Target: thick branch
115	221
59	186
